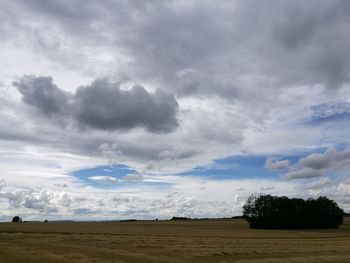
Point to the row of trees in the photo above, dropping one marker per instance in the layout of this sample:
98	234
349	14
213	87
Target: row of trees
267	211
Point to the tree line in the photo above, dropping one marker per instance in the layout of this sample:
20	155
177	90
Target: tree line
273	212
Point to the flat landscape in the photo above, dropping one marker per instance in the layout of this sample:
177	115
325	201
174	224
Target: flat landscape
169	241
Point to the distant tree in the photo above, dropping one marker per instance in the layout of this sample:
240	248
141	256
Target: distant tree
267	211
16	219
180	218
46	221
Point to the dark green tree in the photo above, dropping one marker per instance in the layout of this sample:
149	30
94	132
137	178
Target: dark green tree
16	219
267	211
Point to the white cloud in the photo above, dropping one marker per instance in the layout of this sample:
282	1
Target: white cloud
104	179
133	177
184	196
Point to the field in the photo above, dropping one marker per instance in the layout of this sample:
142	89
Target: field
169	241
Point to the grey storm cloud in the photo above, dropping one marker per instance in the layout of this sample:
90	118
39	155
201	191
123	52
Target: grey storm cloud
245	52
43	94
201	48
102	105
317	27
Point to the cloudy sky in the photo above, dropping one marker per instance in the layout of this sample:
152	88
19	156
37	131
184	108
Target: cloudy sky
151	109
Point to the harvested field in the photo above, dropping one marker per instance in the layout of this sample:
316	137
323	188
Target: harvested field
169	241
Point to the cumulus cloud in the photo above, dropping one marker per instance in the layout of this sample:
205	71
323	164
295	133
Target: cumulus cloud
43	94
315	165
45	200
33	204
331	159
275	164
102	105
318	161
105	106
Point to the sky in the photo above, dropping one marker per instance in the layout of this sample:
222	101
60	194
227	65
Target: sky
150	109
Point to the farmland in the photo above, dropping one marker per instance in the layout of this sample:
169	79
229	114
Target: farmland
169	241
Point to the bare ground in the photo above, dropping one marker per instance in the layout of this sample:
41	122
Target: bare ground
169	241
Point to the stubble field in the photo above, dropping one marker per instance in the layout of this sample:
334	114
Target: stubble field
169	241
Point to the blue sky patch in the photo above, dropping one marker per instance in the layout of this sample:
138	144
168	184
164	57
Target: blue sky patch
109	173
234	167
336	112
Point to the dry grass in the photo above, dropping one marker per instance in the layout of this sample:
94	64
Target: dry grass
169	241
